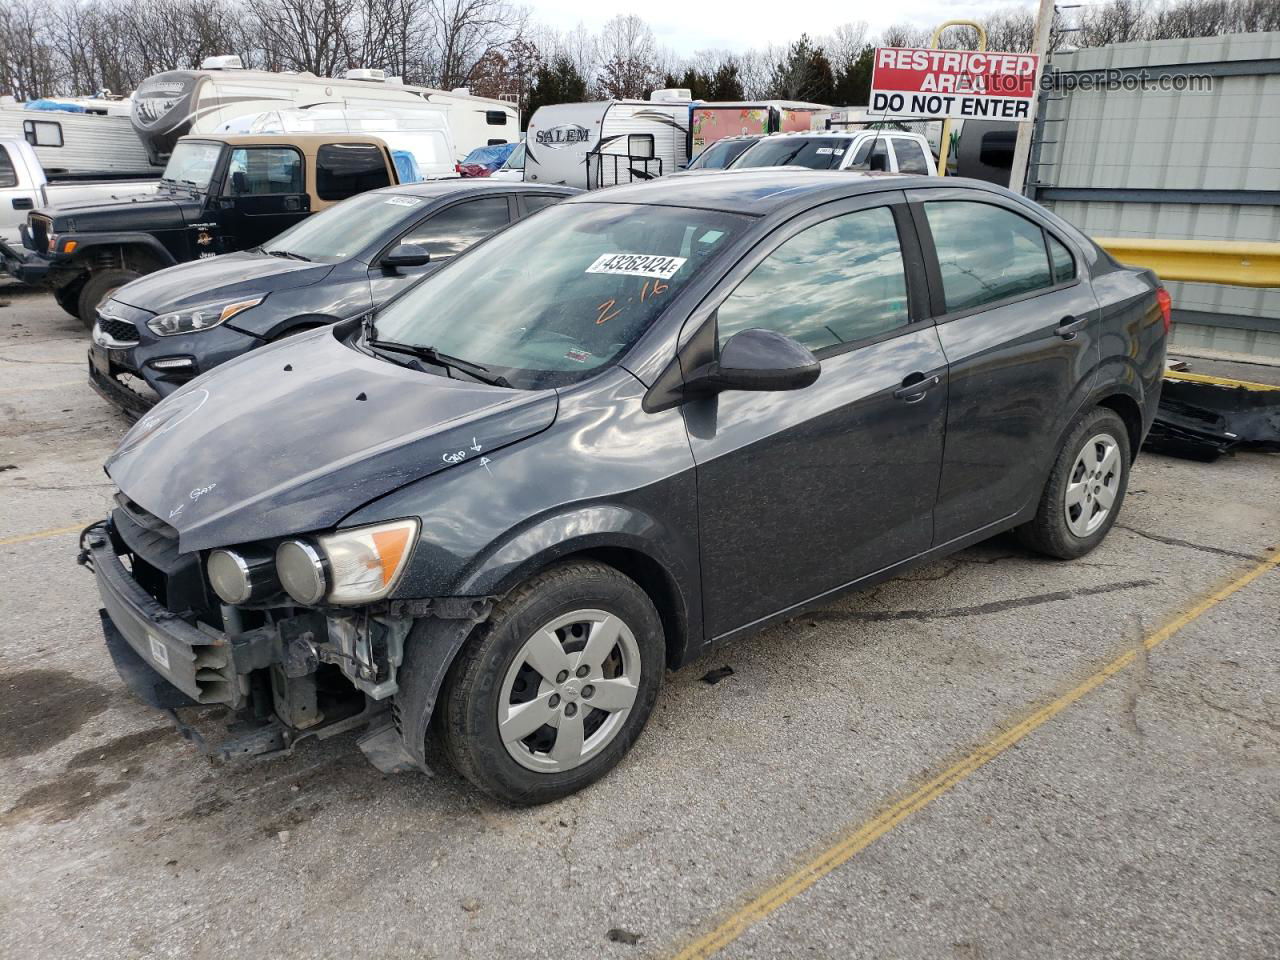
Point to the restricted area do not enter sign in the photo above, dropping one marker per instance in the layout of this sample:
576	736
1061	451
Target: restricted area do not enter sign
913	82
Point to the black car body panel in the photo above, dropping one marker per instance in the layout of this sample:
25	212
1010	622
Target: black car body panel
732	509
298	295
356	423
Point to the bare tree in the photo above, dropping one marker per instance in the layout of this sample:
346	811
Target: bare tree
627	53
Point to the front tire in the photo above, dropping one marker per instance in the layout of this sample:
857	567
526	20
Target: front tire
68	298
554	689
1085	489
100	286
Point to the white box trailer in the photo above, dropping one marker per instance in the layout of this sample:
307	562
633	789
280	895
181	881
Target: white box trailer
73	146
607	142
180	102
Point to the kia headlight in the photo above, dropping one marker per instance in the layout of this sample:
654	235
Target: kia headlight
202	317
353	566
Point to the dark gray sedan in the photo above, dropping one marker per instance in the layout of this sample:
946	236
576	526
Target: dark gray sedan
650	420
161	330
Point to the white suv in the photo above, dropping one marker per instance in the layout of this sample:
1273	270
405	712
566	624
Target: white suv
891	150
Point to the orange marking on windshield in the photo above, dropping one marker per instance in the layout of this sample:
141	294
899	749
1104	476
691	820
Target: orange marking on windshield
604	315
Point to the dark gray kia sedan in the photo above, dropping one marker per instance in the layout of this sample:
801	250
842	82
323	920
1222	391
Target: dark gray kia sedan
164	329
646	421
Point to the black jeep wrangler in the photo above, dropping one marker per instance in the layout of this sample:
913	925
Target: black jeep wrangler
218	194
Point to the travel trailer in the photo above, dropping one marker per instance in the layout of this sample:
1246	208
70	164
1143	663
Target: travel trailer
179	102
607	142
712	121
74	145
420	131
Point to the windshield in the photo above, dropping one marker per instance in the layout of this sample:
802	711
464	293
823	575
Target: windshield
816	153
561	295
720	154
192	163
343	230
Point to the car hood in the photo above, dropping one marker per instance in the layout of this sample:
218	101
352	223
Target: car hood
294	436
159	211
219	278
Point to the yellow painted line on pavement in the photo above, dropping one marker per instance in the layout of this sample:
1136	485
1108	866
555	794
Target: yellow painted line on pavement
868	833
41	535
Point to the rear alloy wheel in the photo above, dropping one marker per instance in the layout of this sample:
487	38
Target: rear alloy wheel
551	693
1085	488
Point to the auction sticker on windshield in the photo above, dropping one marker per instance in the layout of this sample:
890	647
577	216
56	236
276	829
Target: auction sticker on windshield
637	265
404	201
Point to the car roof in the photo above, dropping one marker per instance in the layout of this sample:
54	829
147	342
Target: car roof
754	190
461	186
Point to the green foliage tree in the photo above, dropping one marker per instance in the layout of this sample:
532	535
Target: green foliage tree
555	82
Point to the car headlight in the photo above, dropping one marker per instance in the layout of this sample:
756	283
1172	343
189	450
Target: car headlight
349	567
238	576
194	319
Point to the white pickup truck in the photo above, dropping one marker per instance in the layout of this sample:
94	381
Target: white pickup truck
23	187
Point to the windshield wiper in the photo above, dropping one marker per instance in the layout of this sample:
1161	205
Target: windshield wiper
432	355
286	254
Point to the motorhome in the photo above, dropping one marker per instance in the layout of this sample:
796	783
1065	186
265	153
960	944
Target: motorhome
422	132
607	142
71	144
713	120
179	102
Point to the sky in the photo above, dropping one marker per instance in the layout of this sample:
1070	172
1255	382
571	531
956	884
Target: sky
685	27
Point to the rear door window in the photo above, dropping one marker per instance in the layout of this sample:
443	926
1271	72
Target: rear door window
985	253
533	202
8	175
839	281
345	169
455	228
910	156
1064	265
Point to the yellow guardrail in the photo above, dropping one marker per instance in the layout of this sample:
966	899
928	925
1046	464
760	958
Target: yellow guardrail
1201	261
1187	376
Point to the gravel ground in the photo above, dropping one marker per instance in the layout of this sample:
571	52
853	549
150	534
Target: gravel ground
1143	821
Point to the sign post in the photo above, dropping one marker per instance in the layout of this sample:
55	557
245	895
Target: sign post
918	83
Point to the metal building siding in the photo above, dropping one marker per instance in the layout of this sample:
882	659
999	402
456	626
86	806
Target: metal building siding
1226	138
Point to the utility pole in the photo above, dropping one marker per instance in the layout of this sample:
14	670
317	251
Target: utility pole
1022	147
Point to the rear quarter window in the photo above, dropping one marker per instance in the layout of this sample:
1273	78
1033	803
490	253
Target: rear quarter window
345	169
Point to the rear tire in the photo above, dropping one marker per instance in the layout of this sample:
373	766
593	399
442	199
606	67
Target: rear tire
101	285
1085	489
549	694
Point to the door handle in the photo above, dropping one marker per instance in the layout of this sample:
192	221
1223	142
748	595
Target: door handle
1069	326
23	203
915	386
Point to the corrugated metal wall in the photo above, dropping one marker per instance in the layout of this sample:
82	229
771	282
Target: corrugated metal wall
1200	164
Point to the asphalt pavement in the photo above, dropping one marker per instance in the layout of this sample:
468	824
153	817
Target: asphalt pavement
998	755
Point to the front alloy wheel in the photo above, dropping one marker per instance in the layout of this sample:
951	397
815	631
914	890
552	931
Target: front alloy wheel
569	690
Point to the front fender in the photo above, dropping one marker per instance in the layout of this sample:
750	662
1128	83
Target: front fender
94	243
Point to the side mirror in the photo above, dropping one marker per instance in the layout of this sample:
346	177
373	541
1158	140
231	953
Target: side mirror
405	255
878	161
757	360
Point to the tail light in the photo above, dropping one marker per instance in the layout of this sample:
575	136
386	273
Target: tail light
1166	307
457	168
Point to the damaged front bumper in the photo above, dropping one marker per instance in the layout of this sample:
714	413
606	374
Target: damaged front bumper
172	662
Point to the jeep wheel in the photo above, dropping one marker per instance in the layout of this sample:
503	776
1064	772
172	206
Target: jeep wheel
1085	490
551	693
68	298
99	287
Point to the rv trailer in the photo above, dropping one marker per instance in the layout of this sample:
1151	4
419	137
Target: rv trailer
714	120
607	142
180	102
74	145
